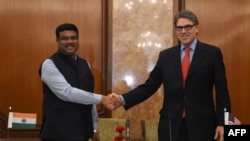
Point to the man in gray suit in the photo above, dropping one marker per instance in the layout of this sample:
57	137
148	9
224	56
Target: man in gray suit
189	112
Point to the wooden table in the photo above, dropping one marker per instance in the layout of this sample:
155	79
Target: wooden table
14	134
20	139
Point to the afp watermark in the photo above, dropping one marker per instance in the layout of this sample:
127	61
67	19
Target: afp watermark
237	132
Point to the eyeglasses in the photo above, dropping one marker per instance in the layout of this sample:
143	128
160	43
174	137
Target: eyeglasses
186	27
66	38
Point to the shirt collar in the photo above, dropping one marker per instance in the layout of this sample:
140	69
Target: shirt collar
192	45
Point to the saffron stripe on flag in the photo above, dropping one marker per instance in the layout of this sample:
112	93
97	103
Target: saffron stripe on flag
24	115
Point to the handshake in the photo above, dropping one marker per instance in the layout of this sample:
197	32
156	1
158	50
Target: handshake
112	101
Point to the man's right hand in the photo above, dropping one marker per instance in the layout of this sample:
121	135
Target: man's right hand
112	101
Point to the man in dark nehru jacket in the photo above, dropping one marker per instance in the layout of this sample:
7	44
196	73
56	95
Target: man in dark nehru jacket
69	110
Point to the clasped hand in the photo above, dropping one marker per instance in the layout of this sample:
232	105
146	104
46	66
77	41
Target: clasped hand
112	101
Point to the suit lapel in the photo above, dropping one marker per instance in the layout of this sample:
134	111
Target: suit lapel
197	57
177	62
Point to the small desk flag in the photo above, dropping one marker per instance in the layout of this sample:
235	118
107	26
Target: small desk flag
230	119
22	120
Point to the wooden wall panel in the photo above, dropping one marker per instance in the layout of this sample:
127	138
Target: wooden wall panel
28	37
226	23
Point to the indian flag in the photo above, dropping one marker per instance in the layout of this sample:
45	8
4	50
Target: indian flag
22	120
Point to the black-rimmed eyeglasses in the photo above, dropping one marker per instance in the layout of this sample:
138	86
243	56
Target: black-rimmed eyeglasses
186	27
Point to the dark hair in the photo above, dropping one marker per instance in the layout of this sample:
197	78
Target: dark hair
186	14
66	26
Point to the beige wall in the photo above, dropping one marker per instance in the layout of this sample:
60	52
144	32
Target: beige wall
140	31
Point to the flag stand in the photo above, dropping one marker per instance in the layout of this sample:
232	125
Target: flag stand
8	134
8	129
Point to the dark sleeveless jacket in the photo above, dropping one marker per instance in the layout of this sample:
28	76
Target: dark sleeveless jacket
66	120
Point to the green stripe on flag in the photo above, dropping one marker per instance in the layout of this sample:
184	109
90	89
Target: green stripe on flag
23	126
